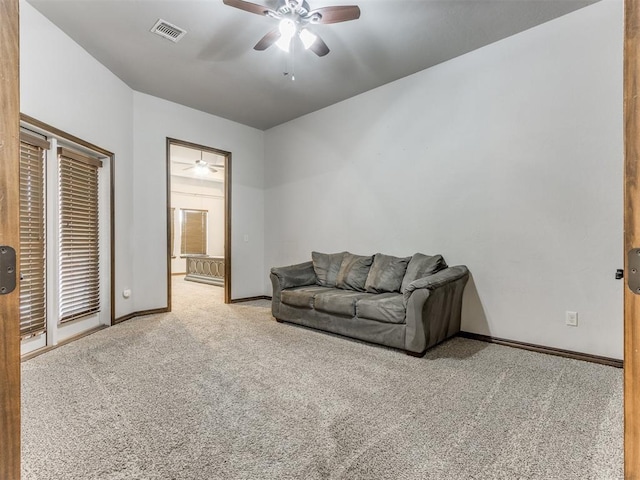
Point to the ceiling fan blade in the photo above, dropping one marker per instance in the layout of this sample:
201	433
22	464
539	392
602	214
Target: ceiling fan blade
319	47
268	40
336	14
248	6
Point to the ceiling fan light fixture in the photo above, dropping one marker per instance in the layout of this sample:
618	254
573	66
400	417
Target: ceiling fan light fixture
307	38
294	15
201	167
287	30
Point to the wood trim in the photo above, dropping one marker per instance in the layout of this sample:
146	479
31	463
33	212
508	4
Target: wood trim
227	213
587	357
227	228
56	132
631	80
9	235
66	341
170	220
141	313
250	299
112	239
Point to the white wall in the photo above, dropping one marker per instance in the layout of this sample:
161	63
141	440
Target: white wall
507	159
188	193
154	121
62	85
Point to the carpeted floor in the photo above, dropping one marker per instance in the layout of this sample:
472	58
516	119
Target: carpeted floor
214	391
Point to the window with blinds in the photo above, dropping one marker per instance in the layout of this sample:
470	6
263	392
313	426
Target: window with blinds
171	229
193	239
79	235
33	300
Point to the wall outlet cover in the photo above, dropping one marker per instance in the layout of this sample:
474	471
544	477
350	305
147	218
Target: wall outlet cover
572	319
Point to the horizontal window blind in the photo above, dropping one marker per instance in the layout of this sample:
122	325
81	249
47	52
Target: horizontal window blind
171	229
33	312
193	232
79	235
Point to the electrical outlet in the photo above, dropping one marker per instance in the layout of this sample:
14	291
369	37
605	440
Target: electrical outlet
572	319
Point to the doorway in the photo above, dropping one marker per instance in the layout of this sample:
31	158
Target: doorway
198	215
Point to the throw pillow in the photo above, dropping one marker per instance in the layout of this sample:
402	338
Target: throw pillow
326	266
386	273
422	266
353	272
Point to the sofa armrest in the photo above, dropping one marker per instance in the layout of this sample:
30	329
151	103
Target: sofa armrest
438	279
434	308
297	275
291	276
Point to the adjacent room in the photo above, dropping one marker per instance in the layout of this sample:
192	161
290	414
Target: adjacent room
198	219
236	137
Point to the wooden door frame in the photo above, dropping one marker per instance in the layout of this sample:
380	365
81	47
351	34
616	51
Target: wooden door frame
9	235
631	237
227	213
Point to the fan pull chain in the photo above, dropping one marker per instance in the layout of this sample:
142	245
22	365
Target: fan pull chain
290	62
293	62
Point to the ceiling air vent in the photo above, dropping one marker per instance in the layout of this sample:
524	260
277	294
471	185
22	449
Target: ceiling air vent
168	30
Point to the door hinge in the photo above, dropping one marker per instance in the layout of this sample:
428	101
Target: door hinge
7	269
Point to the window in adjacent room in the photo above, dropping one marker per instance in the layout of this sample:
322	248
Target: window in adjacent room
172	231
193	232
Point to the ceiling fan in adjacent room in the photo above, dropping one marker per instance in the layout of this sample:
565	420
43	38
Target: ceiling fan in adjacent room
295	16
201	166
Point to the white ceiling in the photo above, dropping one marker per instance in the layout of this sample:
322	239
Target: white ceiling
215	69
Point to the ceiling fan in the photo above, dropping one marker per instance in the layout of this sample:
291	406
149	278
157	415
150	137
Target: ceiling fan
294	17
201	166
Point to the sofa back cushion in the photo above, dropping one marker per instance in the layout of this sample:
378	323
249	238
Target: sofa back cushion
353	272
422	266
386	273
326	266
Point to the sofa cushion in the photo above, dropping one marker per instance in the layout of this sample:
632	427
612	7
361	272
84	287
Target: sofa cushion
326	266
422	266
386	273
353	272
301	296
339	302
383	307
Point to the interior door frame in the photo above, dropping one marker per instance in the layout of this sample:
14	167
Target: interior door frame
10	235
631	237
227	213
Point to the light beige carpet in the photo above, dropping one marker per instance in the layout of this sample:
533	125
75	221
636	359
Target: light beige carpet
214	391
